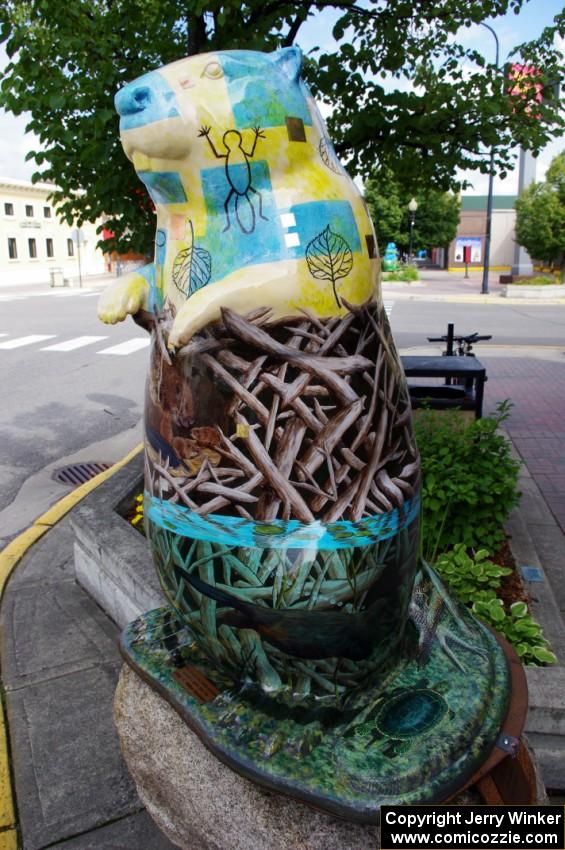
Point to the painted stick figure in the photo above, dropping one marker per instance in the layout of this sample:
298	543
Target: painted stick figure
239	179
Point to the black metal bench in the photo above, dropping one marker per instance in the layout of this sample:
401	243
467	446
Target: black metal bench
466	394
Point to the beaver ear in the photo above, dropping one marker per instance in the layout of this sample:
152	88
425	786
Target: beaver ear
289	60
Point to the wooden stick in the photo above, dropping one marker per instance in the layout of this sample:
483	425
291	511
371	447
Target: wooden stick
221	501
330	436
272	475
285	455
232	494
324	367
256	406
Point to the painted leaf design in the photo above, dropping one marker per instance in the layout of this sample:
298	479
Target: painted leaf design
329	258
192	267
329	156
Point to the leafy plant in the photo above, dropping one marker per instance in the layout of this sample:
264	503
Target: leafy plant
539	280
435	224
540	217
518	627
469	480
472	577
404	273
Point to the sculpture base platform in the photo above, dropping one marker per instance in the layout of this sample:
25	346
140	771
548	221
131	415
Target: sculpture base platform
200	804
419	737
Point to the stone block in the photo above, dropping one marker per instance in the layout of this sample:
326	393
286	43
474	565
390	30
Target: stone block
550	754
66	758
546	687
112	560
199	803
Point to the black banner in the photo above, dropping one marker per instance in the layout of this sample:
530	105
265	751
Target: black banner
486	827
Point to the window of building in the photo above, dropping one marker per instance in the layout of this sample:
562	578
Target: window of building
46	212
12	248
29	210
70	248
49	247
8	209
32	249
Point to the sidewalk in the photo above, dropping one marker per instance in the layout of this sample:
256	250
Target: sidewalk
439	285
60	660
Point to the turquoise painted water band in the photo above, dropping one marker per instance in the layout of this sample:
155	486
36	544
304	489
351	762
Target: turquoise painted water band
279	534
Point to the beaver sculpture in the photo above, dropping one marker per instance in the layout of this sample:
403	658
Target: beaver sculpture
282	478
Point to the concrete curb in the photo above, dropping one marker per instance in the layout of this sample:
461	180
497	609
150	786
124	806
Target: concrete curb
9	559
496	298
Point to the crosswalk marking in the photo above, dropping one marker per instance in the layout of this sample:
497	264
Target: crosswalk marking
127	347
72	344
388	305
20	341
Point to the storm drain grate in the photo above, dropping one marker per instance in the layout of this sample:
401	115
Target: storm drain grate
79	473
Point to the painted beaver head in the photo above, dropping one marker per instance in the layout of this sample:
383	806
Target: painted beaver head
162	112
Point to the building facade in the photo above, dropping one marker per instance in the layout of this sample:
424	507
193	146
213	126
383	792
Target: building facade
33	242
471	233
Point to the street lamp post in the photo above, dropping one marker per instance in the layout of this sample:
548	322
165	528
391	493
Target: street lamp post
486	263
412	207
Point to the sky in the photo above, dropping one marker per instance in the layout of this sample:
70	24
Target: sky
511	30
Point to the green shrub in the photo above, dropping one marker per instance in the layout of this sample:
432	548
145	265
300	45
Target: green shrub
519	628
539	280
469	480
472	578
405	273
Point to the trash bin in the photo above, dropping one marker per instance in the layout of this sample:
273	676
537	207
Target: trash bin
57	278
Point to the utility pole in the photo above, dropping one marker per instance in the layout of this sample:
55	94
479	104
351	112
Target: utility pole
488	230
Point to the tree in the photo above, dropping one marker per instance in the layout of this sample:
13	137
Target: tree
447	110
540	217
436	219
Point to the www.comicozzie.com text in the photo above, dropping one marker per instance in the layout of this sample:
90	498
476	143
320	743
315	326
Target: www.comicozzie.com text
455	828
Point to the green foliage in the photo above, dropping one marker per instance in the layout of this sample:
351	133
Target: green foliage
404	273
67	63
436	219
473	578
540	217
519	628
539	280
469	480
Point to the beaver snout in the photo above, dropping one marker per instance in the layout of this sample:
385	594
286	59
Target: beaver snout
133	99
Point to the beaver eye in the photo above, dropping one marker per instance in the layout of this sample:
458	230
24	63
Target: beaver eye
213	71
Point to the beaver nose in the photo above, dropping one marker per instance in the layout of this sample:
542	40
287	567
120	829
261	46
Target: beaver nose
133	99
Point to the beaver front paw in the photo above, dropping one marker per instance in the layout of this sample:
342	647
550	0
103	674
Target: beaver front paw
124	298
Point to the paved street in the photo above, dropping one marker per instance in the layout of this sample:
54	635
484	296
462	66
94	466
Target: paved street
68	382
526	324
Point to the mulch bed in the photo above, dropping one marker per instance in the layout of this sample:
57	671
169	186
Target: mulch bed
512	587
